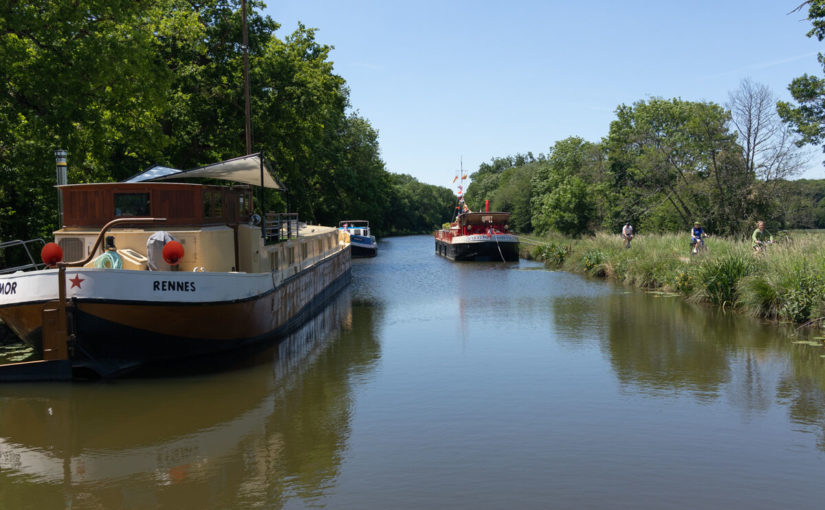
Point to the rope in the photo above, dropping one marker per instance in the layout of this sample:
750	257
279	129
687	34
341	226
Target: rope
109	260
499	249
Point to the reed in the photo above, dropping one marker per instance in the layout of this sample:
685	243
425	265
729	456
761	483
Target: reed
785	283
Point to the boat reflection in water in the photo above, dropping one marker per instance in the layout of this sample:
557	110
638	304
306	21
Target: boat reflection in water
265	433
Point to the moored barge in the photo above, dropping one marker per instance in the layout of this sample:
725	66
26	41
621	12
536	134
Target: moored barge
231	279
480	236
357	234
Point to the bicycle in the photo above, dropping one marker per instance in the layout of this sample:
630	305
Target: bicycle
760	247
627	238
697	245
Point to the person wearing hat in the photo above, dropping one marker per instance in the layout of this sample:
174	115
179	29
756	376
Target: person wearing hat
696	235
627	234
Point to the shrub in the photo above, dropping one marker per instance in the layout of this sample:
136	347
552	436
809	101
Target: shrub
593	258
719	278
683	281
806	297
552	253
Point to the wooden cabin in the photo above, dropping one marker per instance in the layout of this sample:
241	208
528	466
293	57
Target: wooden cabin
213	223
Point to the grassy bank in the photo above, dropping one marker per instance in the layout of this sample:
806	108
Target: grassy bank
786	283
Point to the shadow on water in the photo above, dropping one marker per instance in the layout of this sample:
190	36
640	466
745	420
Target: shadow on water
269	432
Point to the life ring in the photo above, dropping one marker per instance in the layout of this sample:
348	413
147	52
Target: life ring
109	260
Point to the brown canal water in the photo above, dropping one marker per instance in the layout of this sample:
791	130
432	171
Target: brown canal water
432	384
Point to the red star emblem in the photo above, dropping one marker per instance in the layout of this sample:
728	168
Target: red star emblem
76	281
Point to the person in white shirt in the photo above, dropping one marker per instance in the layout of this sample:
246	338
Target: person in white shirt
627	234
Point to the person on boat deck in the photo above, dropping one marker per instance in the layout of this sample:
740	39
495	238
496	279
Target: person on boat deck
696	234
627	234
760	237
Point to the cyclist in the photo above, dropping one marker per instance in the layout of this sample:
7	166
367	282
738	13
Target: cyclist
761	238
627	234
696	238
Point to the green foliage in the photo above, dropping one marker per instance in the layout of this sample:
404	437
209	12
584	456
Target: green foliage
83	76
806	297
562	200
417	208
506	183
787	283
513	195
800	204
552	253
122	84
720	278
568	208
593	258
679	159
807	116
760	296
683	281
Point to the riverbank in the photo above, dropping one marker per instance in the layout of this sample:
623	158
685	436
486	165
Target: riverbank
787	283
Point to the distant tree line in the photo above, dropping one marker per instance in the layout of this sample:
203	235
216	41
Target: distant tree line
123	84
665	164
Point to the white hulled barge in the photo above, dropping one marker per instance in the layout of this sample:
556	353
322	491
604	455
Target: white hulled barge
233	279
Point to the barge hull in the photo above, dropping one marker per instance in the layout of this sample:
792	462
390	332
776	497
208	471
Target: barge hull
113	337
490	251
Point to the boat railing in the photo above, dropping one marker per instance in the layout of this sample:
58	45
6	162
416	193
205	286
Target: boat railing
281	227
23	255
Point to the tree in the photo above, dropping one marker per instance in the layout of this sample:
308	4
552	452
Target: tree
514	195
83	76
769	147
562	199
417	208
682	156
807	117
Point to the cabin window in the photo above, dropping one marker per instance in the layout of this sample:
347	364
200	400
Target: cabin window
243	205
212	204
131	204
303	251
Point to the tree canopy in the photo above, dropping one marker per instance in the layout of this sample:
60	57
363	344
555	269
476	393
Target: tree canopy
122	84
807	116
665	164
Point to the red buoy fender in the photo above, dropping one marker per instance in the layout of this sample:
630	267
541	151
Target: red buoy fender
172	253
51	254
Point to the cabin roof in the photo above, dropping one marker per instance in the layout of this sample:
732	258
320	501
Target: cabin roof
251	169
484	218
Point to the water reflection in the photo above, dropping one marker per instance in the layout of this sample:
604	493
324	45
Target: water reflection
658	345
430	384
662	345
265	433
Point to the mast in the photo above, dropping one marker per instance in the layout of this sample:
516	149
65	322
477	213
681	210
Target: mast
247	111
460	177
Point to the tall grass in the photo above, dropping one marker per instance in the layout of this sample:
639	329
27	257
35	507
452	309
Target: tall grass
785	283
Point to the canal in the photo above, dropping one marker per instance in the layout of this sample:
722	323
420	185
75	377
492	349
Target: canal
433	384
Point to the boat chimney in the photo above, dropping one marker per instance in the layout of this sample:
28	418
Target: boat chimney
60	159
487	205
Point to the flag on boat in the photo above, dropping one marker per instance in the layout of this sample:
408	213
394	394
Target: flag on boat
455	178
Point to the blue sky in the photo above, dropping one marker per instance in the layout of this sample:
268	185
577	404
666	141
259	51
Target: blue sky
450	79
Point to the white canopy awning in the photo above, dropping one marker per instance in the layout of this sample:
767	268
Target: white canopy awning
251	169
